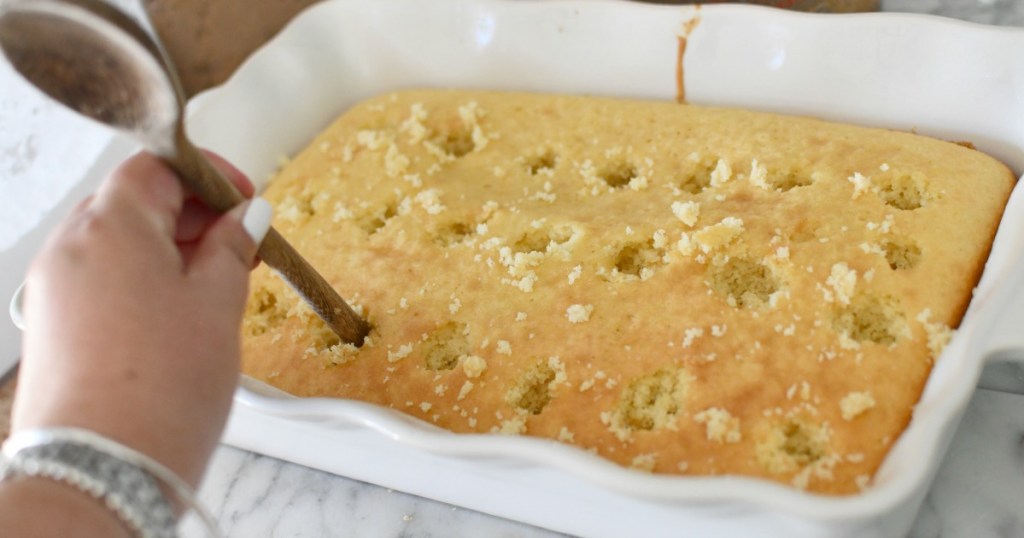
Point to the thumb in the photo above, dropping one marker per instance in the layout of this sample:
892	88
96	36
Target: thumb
230	244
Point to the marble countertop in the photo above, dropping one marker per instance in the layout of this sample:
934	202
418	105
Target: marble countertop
979	491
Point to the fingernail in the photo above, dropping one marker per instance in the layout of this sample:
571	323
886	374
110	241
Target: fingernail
18	306
256	220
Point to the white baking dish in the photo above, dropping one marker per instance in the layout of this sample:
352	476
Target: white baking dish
948	79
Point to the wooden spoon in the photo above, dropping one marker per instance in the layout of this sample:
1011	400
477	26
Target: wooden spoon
101	63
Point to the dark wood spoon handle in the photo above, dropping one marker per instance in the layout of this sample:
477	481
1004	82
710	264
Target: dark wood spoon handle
202	178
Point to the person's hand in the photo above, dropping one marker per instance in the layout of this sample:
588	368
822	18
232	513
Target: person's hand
133	312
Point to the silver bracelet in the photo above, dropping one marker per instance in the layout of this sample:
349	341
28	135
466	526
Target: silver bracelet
124	479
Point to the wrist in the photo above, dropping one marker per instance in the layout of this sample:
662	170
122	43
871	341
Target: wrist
127	482
39	507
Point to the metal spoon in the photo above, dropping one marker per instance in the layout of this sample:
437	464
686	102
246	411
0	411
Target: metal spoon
102	64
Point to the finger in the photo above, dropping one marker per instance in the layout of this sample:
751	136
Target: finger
236	176
195	218
143	186
81	206
75	215
229	246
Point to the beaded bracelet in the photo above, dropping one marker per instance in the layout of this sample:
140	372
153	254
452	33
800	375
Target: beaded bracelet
124	479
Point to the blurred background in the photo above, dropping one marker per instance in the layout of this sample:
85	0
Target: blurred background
207	55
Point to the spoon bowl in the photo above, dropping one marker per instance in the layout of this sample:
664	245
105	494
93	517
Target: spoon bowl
99	62
84	55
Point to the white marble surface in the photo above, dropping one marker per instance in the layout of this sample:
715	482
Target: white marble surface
979	491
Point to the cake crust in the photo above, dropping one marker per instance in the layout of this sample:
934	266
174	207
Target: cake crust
679	289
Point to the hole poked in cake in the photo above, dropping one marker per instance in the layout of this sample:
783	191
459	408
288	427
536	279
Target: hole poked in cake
638	259
532	392
786	180
902	253
791	444
445	346
543	163
619	174
323	337
744	282
651	402
298	208
456	142
543	237
325	344
452	233
264	312
697	179
372	221
869	318
904	191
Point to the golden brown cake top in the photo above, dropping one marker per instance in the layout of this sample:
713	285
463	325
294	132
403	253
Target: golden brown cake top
677	288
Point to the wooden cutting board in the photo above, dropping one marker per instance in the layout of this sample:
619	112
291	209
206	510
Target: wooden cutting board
209	39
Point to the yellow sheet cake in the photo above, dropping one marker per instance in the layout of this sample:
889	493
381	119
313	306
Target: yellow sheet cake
679	289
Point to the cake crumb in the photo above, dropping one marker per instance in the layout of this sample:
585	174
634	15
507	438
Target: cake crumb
720	425
467	386
473	365
692	334
861	184
574	275
759	175
579	313
521	316
455	305
843	282
403	351
504	347
341	213
513	426
430	200
721	174
856	403
644	462
718	235
938	334
395	162
660	239
372	140
413	179
413	125
687	212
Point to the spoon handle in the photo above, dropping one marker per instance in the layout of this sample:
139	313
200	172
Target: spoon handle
278	253
200	176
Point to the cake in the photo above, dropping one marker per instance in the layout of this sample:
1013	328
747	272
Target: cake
679	289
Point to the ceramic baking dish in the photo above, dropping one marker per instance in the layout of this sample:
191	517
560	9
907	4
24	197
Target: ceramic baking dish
938	77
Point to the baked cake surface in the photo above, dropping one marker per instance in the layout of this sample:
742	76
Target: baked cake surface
679	289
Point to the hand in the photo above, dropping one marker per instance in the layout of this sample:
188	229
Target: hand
133	311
